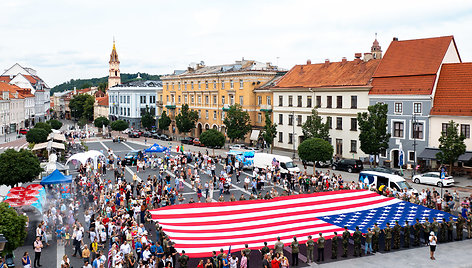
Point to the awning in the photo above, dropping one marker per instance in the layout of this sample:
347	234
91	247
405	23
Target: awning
57	137
465	157
430	153
255	135
49	145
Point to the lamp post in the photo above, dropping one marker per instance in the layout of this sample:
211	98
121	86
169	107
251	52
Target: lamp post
3	241
414	141
293	133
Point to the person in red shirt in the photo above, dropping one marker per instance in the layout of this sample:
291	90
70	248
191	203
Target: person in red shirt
276	261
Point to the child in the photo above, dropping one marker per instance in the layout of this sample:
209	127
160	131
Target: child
59	236
67	237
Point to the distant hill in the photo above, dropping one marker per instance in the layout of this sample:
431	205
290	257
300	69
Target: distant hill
99	82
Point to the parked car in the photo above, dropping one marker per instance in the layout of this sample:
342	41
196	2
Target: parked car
254	149
349	165
147	134
134	134
155	134
187	140
238	147
23	131
119	139
197	142
165	137
126	131
131	158
323	164
433	178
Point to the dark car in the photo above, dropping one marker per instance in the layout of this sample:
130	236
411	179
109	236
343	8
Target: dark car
147	134
165	137
134	134
132	157
187	140
349	165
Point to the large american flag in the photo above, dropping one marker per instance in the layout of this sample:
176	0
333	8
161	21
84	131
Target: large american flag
201	228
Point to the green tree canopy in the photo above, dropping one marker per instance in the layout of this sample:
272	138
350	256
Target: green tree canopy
44	126
147	119
18	167
270	131
315	149
81	106
451	145
237	122
315	128
37	135
373	129
119	125
212	138
55	124
12	226
186	119
101	121
164	121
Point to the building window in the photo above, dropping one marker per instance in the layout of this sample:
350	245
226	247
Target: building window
465	130
199	114
281	119
222	84
152	99
214	115
231	84
417	132
185	99
411	156
192	98
398	108
269	100
215	101
383	153
206	114
290	119
179	99
231	99
308	101
241	83
353	146
199	85
300	101
259	117
207	100
339	102
281	137
318	101
281	100
299	120
329	102
214	84
178	84
206	84
172	85
329	121
127	98
191	85
290	138
398	129
353	124
353	102
199	99
241	100
339	123
290	101
259	100
142	99
417	107
185	85
223	100
444	128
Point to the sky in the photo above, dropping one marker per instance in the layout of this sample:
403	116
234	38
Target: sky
66	39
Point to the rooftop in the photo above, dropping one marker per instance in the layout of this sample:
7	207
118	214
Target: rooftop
141	83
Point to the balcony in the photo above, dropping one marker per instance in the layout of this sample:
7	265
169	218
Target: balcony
266	108
170	105
225	107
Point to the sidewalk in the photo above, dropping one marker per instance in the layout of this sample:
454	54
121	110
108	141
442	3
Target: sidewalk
9	137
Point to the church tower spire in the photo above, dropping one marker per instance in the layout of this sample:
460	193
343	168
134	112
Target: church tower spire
114	77
376	50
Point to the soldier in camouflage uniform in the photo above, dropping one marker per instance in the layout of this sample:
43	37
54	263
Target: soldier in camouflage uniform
346	236
426	230
435	227
417	231
310	247
460	227
450	229
406	234
388	236
442	230
279	246
357	236
396	235
334	246
469	225
375	238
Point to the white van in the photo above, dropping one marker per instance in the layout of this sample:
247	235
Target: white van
263	160
393	181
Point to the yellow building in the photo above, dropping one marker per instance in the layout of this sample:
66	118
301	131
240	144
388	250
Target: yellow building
210	90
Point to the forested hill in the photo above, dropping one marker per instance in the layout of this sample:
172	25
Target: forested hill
99	82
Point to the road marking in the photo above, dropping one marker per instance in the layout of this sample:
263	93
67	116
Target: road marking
124	143
60	253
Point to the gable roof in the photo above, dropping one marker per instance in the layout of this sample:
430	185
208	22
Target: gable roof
102	101
12	89
454	90
329	74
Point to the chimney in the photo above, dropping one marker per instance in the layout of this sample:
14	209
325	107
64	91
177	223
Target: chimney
326	62
344	60
395	39
357	57
308	62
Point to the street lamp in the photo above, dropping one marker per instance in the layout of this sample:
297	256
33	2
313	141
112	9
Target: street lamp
293	133
3	241
415	126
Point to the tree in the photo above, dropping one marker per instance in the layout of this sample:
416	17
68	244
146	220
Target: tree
164	121
12	226
82	106
147	119
212	138
82	122
315	149
37	135
44	126
55	124
102	86
451	145
186	119
101	121
270	131
119	125
18	167
237	122
373	129
315	128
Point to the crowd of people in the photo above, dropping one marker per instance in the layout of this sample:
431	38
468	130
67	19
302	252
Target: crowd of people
117	230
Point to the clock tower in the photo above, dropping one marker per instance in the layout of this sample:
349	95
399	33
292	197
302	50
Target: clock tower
114	75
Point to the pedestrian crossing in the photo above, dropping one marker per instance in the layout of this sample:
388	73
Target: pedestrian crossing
16	148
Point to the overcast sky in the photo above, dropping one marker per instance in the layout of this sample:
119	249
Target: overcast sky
65	39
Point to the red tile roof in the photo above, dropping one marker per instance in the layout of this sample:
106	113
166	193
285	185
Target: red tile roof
5	78
334	74
12	89
102	101
31	79
454	90
403	85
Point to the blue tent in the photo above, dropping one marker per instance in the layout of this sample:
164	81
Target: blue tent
156	148
56	177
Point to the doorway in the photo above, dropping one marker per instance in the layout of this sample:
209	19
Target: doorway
394	158
339	147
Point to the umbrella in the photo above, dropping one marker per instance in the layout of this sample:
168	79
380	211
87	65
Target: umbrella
13	202
17	189
34	187
31	192
15	195
28	200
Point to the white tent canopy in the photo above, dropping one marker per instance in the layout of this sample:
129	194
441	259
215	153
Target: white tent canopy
49	145
85	156
57	137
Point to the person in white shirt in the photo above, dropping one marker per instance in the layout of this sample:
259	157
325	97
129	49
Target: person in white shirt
432	245
125	248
